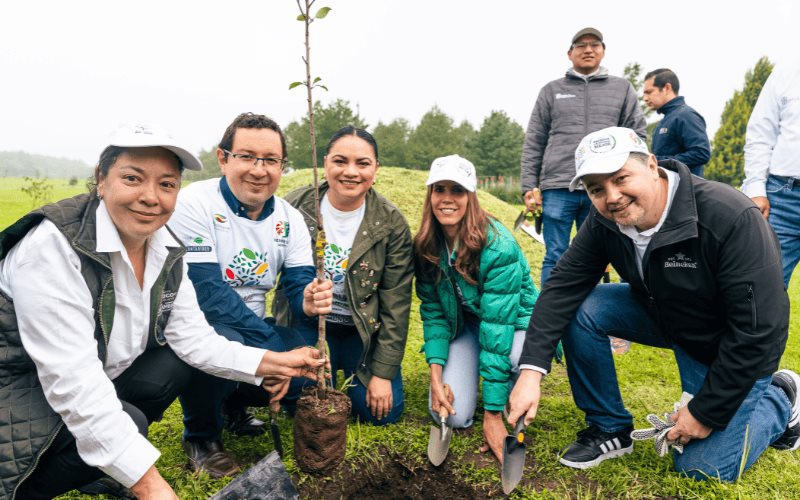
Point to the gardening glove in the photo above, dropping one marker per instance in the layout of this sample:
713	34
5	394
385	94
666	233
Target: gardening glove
661	428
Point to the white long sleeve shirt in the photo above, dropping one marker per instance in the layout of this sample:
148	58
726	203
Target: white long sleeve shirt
772	143
55	315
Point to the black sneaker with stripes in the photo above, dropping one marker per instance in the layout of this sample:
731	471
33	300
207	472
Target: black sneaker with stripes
789	382
593	446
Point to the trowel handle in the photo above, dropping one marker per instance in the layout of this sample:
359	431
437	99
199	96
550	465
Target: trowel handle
519	429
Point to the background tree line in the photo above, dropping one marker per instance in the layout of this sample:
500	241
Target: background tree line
495	148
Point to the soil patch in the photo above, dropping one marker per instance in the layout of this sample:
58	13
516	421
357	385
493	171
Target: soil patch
320	430
395	479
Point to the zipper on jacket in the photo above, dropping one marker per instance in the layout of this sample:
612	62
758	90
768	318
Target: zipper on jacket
105	285
585	106
458	306
751	298
362	364
37	457
103	328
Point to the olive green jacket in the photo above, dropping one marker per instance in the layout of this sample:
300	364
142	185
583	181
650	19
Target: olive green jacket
378	284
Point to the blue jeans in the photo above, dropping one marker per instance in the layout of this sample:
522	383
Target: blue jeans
560	209
346	347
784	216
461	372
611	310
203	397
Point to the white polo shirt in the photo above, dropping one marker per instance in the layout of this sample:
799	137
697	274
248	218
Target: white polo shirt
250	253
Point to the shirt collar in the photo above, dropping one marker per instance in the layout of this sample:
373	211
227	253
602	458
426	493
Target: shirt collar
600	70
239	209
671	104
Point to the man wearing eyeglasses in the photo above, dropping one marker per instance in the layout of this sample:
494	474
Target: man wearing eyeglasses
585	100
239	237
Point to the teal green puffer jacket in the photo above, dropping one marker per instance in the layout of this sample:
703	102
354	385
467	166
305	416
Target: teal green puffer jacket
503	299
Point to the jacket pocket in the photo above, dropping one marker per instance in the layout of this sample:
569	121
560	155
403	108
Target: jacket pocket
751	298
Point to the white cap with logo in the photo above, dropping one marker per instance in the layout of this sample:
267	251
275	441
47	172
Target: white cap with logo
605	152
453	168
140	135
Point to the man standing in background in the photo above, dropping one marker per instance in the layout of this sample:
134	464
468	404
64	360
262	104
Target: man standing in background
681	135
586	99
772	161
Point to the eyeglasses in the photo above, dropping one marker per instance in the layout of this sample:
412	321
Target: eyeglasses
583	45
269	162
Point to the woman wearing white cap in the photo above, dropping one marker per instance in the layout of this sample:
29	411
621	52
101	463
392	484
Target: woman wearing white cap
98	324
477	298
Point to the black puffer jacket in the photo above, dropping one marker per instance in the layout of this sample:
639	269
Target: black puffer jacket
713	284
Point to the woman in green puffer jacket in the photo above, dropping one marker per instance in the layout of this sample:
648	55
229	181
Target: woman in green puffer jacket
477	298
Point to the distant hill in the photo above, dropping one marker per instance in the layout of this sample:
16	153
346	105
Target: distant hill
21	164
406	189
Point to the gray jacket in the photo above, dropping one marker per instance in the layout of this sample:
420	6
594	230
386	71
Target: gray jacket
566	110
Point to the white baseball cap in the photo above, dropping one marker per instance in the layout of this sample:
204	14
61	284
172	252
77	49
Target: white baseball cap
453	168
141	135
605	152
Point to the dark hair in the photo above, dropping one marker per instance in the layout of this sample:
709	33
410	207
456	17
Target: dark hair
358	132
472	238
250	120
664	76
109	156
640	157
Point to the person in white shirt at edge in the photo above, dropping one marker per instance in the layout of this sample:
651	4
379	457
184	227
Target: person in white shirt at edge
239	237
100	326
772	161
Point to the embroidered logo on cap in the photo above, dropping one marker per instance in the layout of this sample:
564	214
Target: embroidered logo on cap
602	144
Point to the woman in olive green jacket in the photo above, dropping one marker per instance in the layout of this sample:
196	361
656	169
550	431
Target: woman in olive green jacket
368	256
477	298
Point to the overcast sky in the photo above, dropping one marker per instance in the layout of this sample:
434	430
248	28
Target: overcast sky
74	70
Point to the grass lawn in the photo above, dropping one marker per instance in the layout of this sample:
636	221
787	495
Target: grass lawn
648	380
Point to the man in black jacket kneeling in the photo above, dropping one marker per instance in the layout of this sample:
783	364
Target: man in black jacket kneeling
702	272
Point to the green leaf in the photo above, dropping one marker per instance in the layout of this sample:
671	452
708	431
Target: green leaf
294	84
322	87
321	13
301	17
316	79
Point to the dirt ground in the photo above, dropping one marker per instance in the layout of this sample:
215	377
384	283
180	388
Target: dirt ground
395	480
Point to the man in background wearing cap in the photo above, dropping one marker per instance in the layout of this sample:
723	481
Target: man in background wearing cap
703	278
772	160
586	99
681	135
239	237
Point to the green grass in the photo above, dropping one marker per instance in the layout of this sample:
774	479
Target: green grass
648	380
14	202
